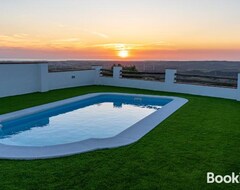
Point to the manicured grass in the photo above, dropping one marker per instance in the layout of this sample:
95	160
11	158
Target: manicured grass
202	136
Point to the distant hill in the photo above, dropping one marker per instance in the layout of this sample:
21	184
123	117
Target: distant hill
214	68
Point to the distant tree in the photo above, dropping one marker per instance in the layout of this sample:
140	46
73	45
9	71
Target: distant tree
131	68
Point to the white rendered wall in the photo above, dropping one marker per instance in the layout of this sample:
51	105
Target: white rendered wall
19	79
16	79
58	80
238	93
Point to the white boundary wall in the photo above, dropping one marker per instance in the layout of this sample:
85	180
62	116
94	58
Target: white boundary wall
16	79
58	80
170	86
19	79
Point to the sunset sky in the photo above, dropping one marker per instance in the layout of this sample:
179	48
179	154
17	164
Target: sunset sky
120	29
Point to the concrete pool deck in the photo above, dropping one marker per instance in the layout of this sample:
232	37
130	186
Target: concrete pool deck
128	136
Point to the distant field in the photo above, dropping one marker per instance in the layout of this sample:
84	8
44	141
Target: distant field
214	68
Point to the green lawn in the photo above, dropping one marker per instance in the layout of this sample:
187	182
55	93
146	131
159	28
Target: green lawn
202	136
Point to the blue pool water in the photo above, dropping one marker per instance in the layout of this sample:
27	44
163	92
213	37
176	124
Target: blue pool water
102	116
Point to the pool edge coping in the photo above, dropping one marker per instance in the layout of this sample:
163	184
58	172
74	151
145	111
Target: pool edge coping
126	137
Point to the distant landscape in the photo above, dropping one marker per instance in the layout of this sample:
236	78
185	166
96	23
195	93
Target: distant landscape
212	68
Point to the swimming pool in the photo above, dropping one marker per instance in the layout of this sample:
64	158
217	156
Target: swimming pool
80	124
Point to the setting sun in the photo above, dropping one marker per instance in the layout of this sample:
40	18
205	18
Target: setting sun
120	29
123	53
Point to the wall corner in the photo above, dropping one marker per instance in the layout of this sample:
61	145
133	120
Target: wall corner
44	77
97	74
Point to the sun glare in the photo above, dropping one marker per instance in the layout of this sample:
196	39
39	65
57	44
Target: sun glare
123	53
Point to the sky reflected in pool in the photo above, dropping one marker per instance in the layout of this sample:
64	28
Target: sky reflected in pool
99	120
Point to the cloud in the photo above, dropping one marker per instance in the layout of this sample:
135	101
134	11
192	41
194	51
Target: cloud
61	25
17	40
117	46
14	36
3	37
21	35
100	35
126	46
65	43
161	44
66	40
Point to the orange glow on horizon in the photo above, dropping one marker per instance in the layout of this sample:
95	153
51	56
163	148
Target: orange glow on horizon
73	48
120	29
